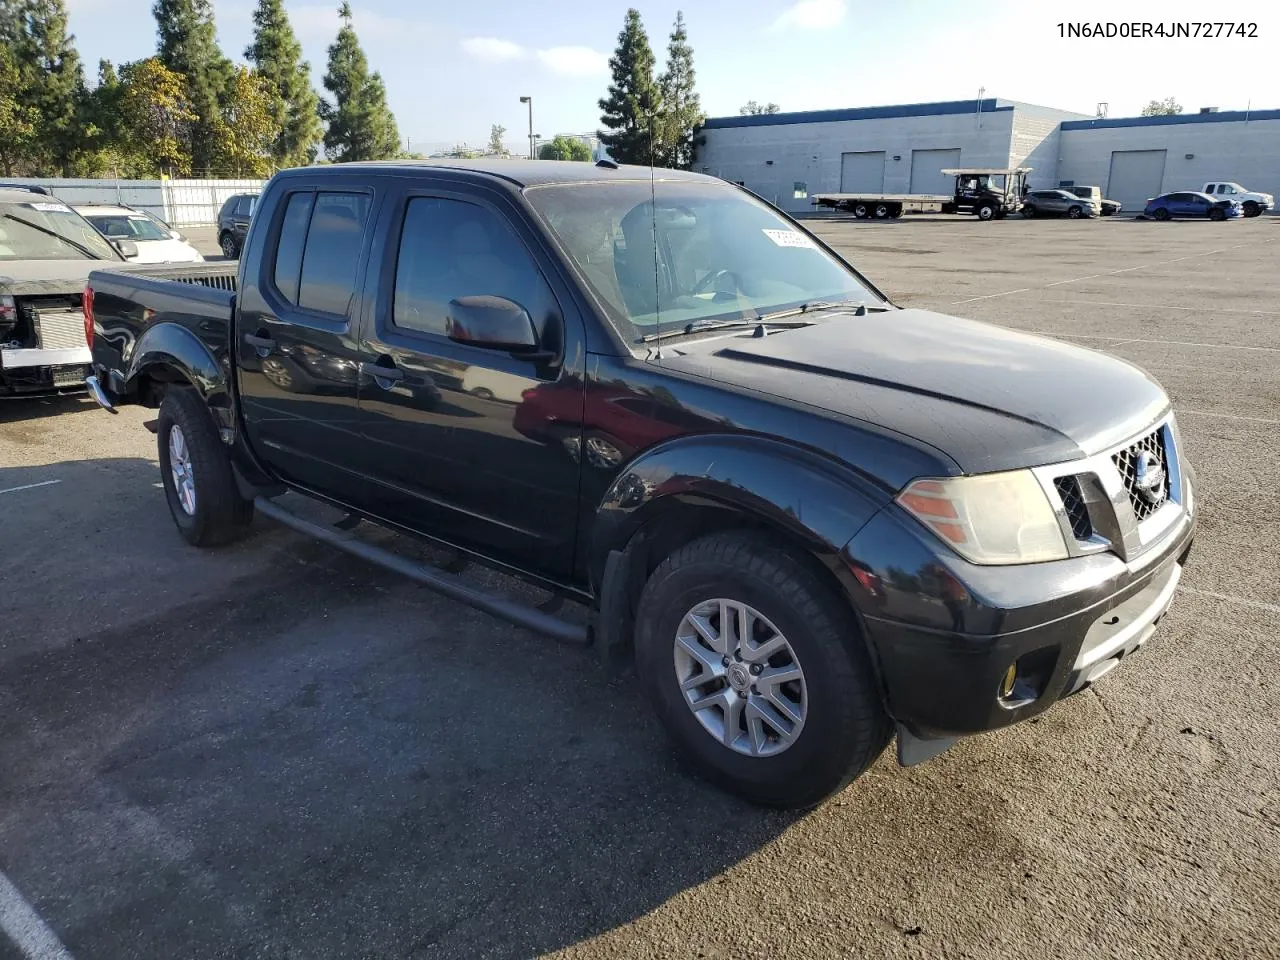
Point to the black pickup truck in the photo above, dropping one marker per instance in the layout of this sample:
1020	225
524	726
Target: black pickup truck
819	518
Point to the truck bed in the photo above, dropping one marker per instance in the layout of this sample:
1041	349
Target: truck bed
131	299
881	197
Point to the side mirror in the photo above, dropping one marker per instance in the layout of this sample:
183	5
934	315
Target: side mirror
493	322
175	235
126	248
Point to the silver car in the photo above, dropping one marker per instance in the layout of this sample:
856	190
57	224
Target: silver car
1057	203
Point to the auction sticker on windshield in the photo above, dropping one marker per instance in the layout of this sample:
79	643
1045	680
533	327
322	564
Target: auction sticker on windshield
49	207
790	238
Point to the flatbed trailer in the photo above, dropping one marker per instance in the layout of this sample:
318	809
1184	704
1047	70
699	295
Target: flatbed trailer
989	194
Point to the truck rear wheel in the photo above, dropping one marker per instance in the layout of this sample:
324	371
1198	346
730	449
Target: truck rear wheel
881	211
196	472
860	211
757	671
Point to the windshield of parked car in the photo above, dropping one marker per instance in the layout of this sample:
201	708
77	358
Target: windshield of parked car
126	226
42	229
720	253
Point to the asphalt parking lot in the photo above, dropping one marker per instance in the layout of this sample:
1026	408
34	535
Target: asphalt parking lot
277	751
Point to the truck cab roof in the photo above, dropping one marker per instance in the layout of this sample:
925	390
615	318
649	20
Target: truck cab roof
521	173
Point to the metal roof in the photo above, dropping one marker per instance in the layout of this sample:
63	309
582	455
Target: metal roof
943	108
1227	116
524	173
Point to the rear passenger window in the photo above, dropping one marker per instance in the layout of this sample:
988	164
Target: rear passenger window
450	248
293	237
332	252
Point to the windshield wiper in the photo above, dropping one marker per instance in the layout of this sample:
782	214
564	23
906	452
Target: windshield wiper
54	233
815	305
703	326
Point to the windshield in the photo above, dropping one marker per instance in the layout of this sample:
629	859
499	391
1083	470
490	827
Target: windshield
720	255
127	226
47	230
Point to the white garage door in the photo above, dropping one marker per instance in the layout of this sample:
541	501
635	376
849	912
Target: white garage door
926	171
1136	177
862	172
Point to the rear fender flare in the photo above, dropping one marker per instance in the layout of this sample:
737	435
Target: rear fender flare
172	346
794	490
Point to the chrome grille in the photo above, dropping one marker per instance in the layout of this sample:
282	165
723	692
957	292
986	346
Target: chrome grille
1144	503
61	329
1073	501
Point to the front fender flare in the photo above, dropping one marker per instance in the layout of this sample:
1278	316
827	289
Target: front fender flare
799	491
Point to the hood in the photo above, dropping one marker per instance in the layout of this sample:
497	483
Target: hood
166	251
988	397
37	277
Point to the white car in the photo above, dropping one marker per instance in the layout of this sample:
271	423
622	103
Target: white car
157	242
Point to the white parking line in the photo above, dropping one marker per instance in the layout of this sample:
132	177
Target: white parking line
1226	416
1094	276
1177	343
1242	601
24	927
31	486
1161	306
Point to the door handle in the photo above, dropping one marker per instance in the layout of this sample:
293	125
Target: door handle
383	374
261	345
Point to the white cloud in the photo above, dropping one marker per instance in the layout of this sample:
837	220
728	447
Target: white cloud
492	49
812	15
574	61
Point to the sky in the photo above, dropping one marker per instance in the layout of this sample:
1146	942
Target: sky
453	69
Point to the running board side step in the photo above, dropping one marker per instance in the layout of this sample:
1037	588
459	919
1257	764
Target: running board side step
435	579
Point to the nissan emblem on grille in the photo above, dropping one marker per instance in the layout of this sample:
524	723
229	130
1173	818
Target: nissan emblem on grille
1149	477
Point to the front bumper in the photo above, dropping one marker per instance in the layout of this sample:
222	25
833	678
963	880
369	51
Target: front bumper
1063	625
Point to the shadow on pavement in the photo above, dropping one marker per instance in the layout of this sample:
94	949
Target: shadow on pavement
325	762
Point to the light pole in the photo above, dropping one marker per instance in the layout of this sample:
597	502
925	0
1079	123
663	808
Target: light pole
529	101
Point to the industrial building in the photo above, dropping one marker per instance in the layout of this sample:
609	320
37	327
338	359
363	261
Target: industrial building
788	157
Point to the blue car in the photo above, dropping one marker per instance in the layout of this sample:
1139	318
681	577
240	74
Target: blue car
1189	204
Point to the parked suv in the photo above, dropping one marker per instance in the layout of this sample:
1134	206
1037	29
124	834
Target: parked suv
233	223
1057	203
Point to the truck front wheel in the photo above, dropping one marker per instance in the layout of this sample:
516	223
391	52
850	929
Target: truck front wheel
1251	208
757	671
986	211
196	472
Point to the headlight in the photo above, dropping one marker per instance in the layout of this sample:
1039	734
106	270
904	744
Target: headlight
993	518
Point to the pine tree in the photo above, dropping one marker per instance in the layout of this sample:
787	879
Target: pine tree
682	111
632	109
50	80
277	57
18	120
359	124
189	48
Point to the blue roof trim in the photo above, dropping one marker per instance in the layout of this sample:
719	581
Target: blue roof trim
1229	116
989	105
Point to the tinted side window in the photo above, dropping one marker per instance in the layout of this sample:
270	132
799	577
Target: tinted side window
332	252
293	236
243	206
450	248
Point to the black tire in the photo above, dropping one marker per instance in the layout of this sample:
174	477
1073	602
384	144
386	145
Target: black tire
860	211
227	244
881	211
1251	208
1075	213
1217	215
1161	213
221	515
985	211
845	728
1028	211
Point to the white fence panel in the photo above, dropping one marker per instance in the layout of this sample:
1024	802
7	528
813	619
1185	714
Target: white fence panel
183	203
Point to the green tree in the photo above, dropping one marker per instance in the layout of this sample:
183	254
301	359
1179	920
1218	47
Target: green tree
50	79
18	120
276	56
496	146
632	110
156	120
189	48
753	109
359	123
564	148
1167	107
681	108
250	126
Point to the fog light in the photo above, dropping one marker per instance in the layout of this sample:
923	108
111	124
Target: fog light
1006	685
